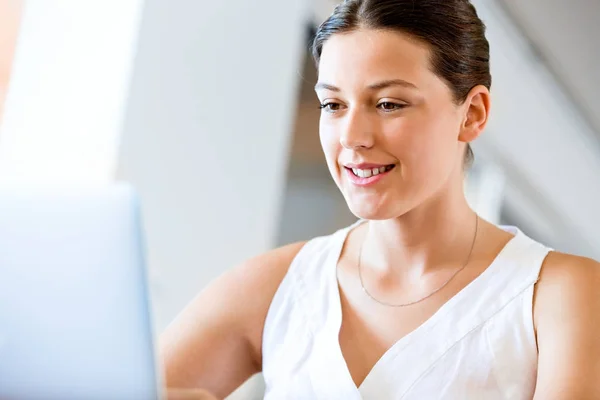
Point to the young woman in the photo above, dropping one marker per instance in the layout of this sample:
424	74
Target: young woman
421	298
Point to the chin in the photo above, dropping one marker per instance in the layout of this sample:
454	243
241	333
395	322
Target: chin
381	206
372	212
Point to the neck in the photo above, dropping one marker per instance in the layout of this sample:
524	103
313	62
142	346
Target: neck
439	234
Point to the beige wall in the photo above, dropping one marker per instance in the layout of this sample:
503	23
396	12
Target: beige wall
10	13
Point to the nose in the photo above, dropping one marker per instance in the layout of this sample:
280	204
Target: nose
357	131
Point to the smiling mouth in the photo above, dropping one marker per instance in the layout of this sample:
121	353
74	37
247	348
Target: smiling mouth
367	173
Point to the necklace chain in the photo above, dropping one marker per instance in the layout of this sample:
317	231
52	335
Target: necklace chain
422	298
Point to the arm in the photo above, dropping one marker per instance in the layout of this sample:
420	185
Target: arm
216	342
567	320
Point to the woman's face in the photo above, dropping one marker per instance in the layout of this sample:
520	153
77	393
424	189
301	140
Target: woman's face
389	127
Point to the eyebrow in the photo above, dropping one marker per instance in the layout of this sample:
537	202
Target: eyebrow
375	86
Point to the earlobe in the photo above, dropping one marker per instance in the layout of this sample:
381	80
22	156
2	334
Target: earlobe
477	111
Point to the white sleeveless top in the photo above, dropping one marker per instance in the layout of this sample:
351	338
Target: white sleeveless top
479	345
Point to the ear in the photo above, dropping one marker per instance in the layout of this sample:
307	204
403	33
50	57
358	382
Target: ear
477	110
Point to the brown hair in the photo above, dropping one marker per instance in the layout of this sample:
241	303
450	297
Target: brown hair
451	28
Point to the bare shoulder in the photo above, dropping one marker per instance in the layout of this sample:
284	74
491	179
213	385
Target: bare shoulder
566	280
241	296
250	288
268	268
567	274
566	310
215	343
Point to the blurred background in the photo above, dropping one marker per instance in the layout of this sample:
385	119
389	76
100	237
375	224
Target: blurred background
207	108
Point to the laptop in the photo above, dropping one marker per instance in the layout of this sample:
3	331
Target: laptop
74	308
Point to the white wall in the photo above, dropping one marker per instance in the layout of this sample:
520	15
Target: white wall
68	89
206	137
565	34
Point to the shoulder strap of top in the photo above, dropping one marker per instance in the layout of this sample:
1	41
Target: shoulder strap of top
301	299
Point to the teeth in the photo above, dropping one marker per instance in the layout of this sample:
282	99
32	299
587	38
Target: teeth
362	173
366	173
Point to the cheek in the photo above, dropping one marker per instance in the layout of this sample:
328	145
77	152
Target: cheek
422	143
407	139
329	142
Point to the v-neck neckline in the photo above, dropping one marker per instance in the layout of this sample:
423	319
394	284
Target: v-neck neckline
335	312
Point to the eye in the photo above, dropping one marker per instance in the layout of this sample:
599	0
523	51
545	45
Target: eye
330	107
388	106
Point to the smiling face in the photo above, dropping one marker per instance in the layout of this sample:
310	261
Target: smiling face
389	127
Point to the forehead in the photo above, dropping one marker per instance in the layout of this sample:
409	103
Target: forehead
364	55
